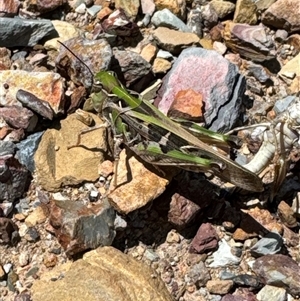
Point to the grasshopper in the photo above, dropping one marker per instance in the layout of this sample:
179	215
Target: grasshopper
166	142
159	140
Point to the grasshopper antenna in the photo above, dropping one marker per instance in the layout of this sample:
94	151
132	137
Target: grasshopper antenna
78	58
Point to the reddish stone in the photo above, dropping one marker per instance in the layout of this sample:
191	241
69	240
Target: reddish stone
206	239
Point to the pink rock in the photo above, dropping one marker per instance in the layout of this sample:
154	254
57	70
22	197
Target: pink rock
206	239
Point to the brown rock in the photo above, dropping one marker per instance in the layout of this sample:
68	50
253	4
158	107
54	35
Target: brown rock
220	287
9	7
222	8
173	40
137	185
245	12
251	42
103	274
148	52
177	7
56	165
19	117
38	216
161	65
182	210
43	6
79	227
48	86
283	14
7	230
286	215
264	218
279	270
206	239
188	104
5	55
131	8
103	13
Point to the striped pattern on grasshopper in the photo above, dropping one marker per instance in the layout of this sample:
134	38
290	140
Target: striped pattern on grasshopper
163	141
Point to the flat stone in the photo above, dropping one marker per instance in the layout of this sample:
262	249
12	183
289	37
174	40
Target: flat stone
245	12
56	165
136	184
175	41
165	18
47	86
17	32
103	274
222	8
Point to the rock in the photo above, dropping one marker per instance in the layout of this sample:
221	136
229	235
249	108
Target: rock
132	65
130	8
9	8
187	104
19	117
175	41
259	72
263	5
194	21
291	67
161	65
35	104
32	235
43	6
283	15
281	35
197	274
79	227
280	271
223	256
148	52
56	165
93	278
17	32
137	185
287	215
26	150
245	12
164	18
118	24
246	280
182	211
251	42
269	292
270	244
14	179
96	54
65	30
220	287
177	7
148	7
196	69
8	231
240	295
222	8
37	216
206	239
5	61
52	90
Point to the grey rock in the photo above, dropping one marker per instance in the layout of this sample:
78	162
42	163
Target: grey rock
280	271
79	228
26	150
223	256
167	19
16	32
273	293
282	104
270	244
196	69
7	148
